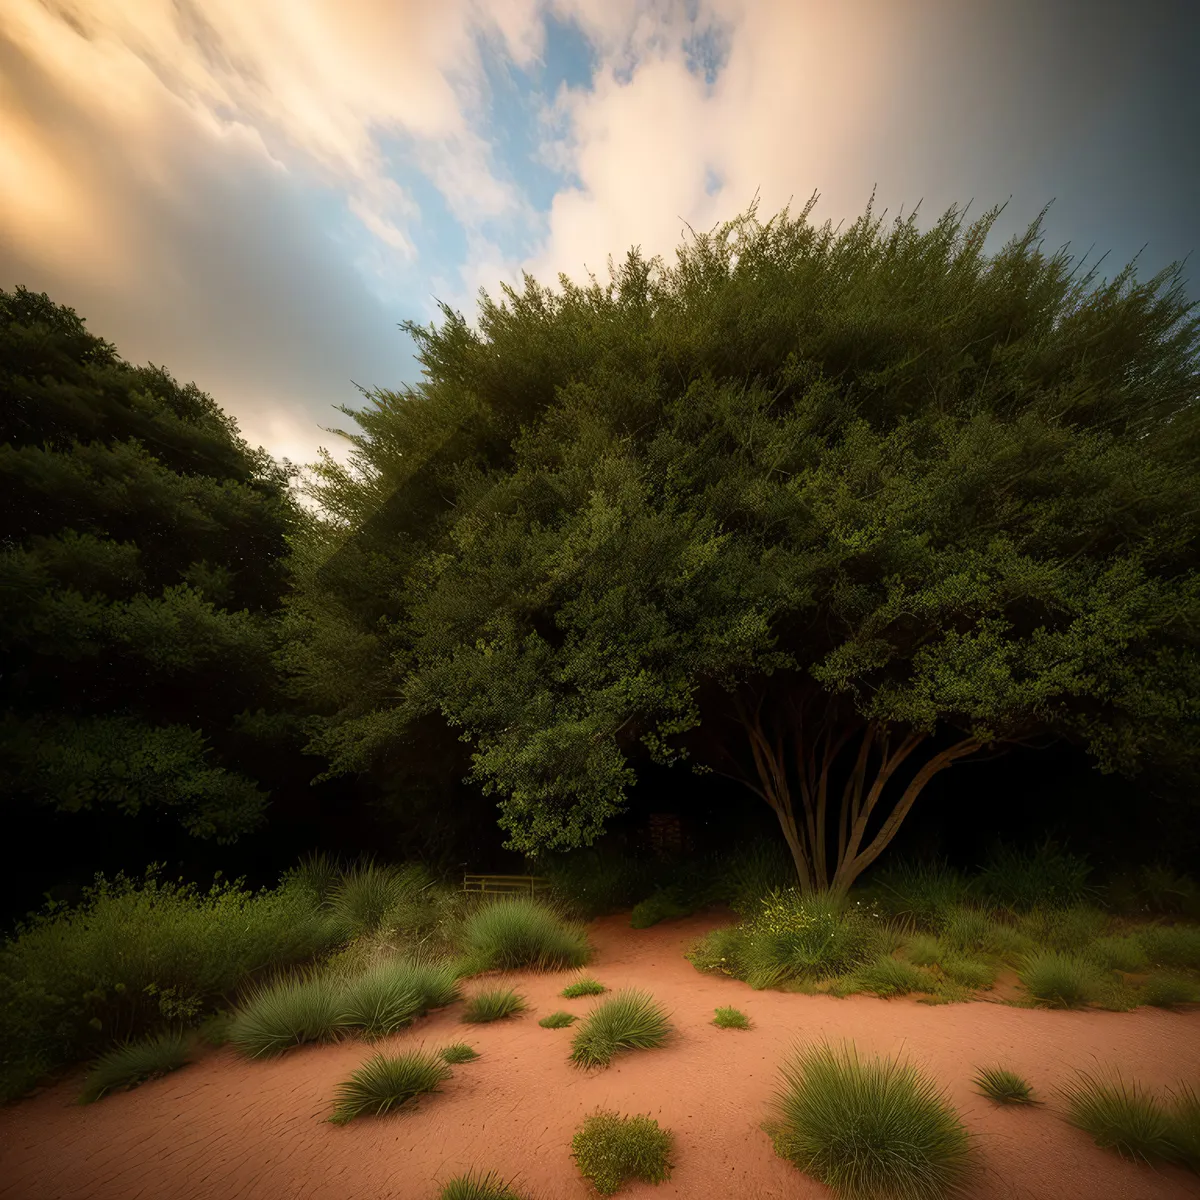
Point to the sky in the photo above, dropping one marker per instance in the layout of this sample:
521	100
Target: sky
254	193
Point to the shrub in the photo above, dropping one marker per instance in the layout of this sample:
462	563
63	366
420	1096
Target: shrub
1044	875
558	1020
134	1063
513	933
870	1131
610	1150
1124	953
382	1084
75	981
277	1016
969	972
478	1187
381	1001
583	987
1165	990
492	1005
664	905
1060	980
459	1052
923	892
1172	945
888	976
1004	1086
1120	1117
631	1020
731	1018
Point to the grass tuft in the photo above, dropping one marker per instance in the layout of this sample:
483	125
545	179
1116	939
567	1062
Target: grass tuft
1120	1116
492	1005
888	976
458	1052
731	1018
134	1063
664	905
923	950
1060	980
1004	1086
1183	1118
383	1083
583	987
516	933
631	1020
277	1016
1164	989
558	1020
478	1187
870	1131
381	1001
968	972
610	1150
1175	946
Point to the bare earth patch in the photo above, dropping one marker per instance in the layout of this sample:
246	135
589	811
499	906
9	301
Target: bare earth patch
224	1128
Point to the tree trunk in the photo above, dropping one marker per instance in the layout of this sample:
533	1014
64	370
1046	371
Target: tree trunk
804	818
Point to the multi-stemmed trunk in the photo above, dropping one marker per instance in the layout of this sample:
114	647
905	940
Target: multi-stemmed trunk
808	820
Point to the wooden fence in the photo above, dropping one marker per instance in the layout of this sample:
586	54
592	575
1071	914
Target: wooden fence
505	885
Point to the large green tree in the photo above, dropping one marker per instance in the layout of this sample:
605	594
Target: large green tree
805	509
141	573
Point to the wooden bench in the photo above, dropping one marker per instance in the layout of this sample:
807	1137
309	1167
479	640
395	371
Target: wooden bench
505	885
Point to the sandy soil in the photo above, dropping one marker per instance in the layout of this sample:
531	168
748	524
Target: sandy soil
226	1128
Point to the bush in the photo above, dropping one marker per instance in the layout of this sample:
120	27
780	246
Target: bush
731	1018
558	1020
925	893
277	1016
1044	876
631	1020
1060	980
382	1084
664	905
1003	1086
888	976
583	987
1172	945
513	933
459	1052
1120	1117
381	1001
610	1150
492	1005
1165	990
132	956
870	1131
591	884
478	1187
134	1063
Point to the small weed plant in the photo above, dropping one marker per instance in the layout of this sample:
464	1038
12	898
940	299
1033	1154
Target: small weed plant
1003	1086
492	1005
135	1063
558	1020
731	1018
459	1052
630	1020
583	987
870	1131
517	932
478	1187
382	1084
611	1150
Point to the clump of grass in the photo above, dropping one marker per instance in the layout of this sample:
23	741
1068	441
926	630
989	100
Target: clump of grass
1023	879
583	987
478	1187
1172	946
664	905
731	1018
382	1084
1123	953
363	896
923	892
1120	1116
870	1131
558	1020
459	1052
968	972
274	1017
1068	929
1004	1086
966	929
518	932
1060	980
318	874
888	976
381	1001
923	950
1183	1118
1164	989
631	1020
610	1150
492	1005
135	1063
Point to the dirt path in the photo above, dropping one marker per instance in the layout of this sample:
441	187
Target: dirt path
224	1128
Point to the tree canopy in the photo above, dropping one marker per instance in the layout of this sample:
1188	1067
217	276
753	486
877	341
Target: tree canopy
801	511
142	568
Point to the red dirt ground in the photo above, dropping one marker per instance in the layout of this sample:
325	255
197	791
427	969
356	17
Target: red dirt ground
235	1130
